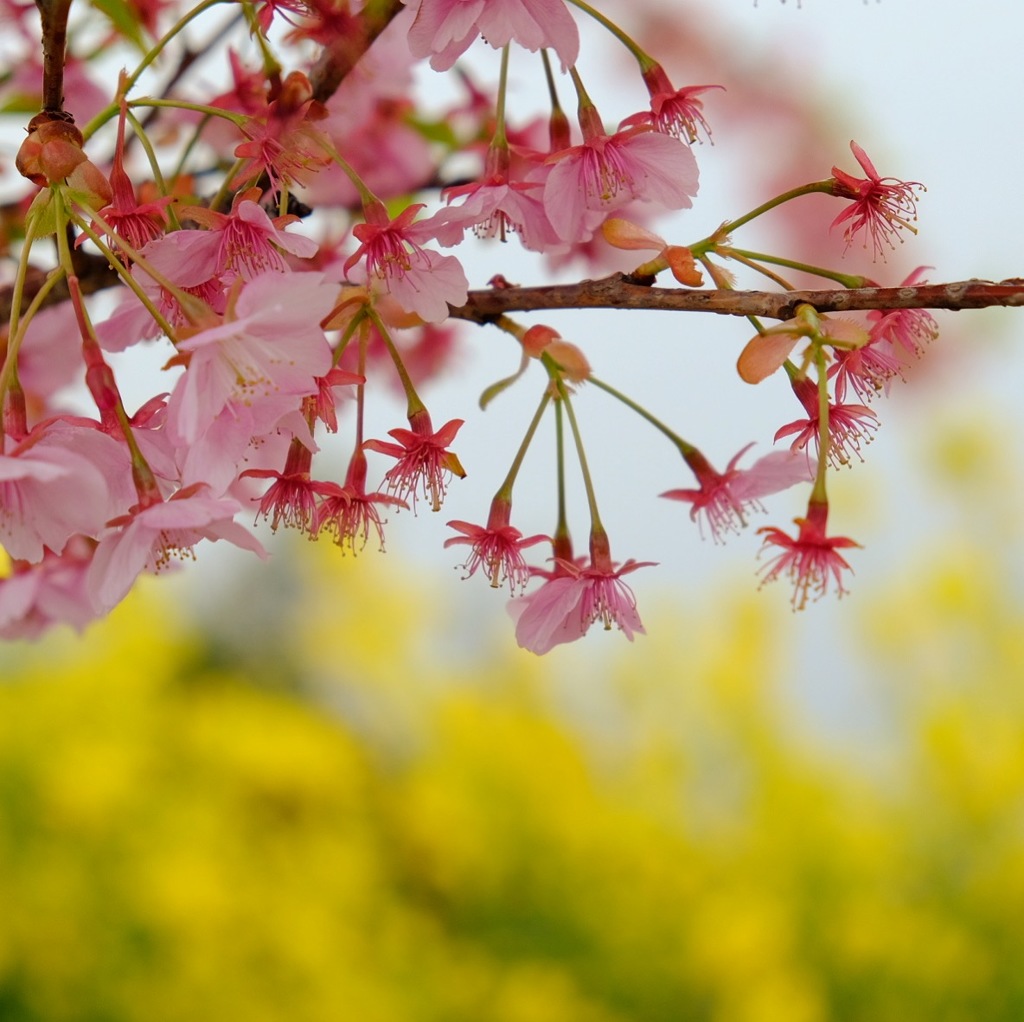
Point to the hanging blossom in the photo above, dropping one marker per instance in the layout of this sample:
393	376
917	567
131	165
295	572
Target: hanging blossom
497	548
444	29
425	465
849	426
606	172
723	499
810	560
153	537
283	141
35	597
349	513
882	206
421	281
573	598
269	346
66	478
678	112
246	240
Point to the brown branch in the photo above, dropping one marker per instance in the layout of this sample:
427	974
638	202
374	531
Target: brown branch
53	16
622	292
343	53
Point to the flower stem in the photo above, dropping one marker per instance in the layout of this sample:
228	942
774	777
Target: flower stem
505	490
712	241
595	517
681	445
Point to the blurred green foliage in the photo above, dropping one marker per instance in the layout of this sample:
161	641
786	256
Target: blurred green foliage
311	813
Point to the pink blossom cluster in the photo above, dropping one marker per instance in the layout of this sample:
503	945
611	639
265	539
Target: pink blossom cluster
293	252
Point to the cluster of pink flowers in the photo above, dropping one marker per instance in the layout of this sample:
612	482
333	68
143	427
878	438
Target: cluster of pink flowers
275	329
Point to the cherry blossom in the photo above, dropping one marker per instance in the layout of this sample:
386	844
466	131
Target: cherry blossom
270	345
36	596
421	281
247	240
425	465
810	560
348	512
881	206
497	548
677	112
564	607
724	498
608	171
150	538
65	478
850	426
444	29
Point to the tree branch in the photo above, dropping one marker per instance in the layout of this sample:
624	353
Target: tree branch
619	291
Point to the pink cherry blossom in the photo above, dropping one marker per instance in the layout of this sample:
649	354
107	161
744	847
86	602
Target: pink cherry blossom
421	281
565	606
425	465
907	330
496	548
247	240
849	426
881	207
444	29
608	171
35	597
723	499
496	207
150	538
811	560
271	345
65	478
349	513
674	111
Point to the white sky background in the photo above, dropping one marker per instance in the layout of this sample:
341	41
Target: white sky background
933	92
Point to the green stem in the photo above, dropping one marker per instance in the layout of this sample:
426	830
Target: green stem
595	517
643	59
849	280
500	140
681	445
505	490
415	405
818	493
712	241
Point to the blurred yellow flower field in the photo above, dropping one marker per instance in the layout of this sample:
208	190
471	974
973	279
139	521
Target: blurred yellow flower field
327	820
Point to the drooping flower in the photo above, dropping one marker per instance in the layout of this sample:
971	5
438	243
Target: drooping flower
724	498
151	537
66	478
607	172
677	112
35	597
444	29
810	560
271	345
291	498
425	465
421	281
283	142
246	240
349	513
576	595
494	208
907	330
849	426
497	548
882	206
